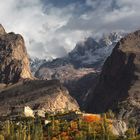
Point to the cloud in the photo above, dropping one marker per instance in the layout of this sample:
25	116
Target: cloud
107	16
38	24
52	29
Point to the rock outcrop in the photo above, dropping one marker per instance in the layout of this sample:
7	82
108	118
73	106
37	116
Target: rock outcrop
118	87
17	85
14	63
119	127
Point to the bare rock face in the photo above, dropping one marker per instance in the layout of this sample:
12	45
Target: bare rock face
118	87
49	96
19	88
14	63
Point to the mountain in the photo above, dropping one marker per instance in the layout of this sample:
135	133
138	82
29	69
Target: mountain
14	63
83	54
49	96
93	53
118	87
17	85
35	63
80	66
90	53
111	38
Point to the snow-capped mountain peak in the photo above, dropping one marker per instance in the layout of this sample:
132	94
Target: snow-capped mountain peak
111	38
90	53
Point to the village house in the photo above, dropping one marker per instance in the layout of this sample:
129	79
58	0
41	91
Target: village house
21	111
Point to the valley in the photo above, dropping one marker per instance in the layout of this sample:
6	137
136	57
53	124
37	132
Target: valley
92	93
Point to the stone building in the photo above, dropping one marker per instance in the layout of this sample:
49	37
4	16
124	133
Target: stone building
21	111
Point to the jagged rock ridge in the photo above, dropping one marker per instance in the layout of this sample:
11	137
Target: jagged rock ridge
14	63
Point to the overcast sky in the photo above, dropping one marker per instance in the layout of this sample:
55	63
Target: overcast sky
51	28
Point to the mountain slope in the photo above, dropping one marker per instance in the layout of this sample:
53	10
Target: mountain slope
80	66
118	87
14	63
35	63
38	94
17	85
90	53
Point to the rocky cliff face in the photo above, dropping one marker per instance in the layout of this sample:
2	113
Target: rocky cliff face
14	63
118	87
37	94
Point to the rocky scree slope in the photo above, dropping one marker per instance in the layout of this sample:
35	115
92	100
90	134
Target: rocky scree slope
15	71
118	87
